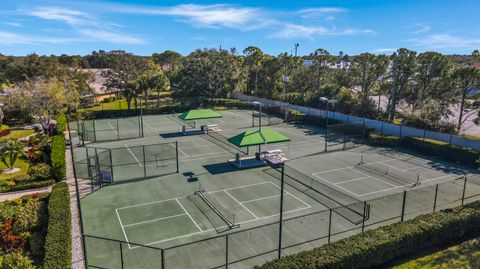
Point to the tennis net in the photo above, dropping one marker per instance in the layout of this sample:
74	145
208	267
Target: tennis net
388	172
217	207
222	141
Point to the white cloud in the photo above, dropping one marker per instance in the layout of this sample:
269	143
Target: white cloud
300	31
9	38
69	16
324	12
384	50
421	28
111	37
12	23
210	16
444	41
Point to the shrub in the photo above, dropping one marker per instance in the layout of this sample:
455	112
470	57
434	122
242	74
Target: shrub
108	99
41	171
376	139
36	244
16	260
30	185
376	247
448	152
57	158
58	243
4	130
62	123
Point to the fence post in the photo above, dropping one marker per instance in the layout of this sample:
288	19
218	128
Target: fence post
329	225
176	155
364	215
162	254
435	199
118	131
464	187
226	251
144	163
450	140
94	132
111	163
121	255
282	186
403	205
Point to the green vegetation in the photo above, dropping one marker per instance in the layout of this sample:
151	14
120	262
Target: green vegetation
465	255
376	247
58	158
58	243
16	134
62	123
21	163
23	226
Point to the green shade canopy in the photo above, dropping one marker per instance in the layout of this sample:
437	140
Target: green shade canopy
199	114
257	137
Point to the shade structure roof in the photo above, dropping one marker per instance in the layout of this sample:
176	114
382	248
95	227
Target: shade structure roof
199	114
258	137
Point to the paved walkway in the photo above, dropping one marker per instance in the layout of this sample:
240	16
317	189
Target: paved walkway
78	258
17	194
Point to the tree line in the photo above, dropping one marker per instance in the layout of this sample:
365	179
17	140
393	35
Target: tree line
420	89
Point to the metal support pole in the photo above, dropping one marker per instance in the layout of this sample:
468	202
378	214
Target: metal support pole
330	225
381	131
464	188
111	163
281	213
364	130
94	132
435	199
424	135
141	120
326	130
162	254
121	255
253	117
118	131
226	251
260	118
364	215
176	155
144	163
403	205
450	141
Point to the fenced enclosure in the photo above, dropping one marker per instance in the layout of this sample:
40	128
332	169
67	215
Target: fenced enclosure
249	247
379	126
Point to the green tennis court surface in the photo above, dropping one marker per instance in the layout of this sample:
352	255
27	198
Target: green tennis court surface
209	213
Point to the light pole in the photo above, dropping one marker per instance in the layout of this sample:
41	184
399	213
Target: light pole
327	101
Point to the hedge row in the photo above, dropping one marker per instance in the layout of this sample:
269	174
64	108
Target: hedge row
441	149
376	247
57	158
62	123
30	185
58	242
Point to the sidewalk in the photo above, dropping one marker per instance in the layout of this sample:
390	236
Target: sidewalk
17	194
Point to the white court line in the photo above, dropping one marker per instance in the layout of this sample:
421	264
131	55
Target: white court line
180	150
148	125
186	212
153	220
133	155
111	126
348	167
214	229
123	230
240	204
295	197
388	183
259	199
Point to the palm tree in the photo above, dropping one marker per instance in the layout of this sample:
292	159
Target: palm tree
9	154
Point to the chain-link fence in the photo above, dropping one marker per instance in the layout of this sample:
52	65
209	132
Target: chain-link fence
253	246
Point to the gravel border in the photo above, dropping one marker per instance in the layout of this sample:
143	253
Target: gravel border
78	258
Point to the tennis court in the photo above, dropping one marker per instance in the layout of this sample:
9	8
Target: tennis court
174	201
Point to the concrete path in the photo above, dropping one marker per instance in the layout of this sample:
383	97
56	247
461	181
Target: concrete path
17	194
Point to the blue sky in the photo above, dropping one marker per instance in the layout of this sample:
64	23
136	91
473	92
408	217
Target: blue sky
145	27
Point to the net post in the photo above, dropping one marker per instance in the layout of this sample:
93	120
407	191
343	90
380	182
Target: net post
329	225
226	251
144	163
464	188
121	254
162	255
435	198
176	155
403	205
118	131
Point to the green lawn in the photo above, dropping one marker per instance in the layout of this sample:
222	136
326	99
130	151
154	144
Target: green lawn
16	134
21	163
473	137
465	255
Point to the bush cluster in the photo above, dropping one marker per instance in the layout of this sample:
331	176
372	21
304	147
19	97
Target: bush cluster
30	185
58	243
62	123
377	247
57	158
